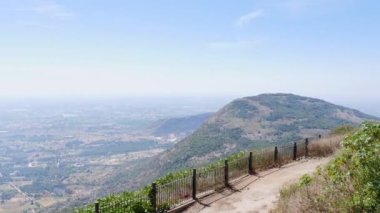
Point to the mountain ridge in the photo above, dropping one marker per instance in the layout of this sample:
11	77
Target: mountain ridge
246	123
257	121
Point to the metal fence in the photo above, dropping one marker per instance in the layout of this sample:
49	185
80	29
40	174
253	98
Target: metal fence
205	180
238	168
125	205
173	193
209	179
263	159
285	154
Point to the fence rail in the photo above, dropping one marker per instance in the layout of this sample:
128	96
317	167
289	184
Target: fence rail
173	193
238	168
127	205
209	180
205	180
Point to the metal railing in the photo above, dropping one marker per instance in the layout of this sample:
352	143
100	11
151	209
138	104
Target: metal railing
173	193
205	180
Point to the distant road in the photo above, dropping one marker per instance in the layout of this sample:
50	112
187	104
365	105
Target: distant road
257	193
27	197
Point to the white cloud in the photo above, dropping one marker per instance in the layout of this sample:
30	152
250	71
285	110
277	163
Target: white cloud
248	18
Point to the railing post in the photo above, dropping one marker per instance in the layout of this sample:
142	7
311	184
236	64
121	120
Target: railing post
306	147
250	164
275	155
97	207
194	184
226	184
153	196
295	151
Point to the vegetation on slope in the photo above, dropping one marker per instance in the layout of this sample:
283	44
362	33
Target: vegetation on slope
350	183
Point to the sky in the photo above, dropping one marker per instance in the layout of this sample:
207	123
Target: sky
328	49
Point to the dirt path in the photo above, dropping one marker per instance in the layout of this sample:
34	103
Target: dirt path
256	193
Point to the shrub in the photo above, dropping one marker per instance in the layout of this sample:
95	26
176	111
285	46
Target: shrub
349	183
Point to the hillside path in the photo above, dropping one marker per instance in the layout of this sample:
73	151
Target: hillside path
257	193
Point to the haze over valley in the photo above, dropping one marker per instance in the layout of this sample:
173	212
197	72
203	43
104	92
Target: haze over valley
54	153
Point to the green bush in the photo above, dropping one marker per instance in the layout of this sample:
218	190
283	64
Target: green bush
129	202
359	166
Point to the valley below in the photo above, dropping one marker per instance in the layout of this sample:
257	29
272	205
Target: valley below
69	156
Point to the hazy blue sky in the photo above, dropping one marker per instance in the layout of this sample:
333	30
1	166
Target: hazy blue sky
328	49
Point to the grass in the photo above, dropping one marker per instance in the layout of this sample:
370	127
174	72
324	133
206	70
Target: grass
349	183
299	197
303	196
326	146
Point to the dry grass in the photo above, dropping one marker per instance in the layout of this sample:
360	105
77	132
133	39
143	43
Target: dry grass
310	197
318	196
263	159
326	146
294	198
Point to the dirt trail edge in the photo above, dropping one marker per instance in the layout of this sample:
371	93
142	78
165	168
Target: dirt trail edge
257	193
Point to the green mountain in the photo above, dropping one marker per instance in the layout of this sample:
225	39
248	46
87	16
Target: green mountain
257	121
